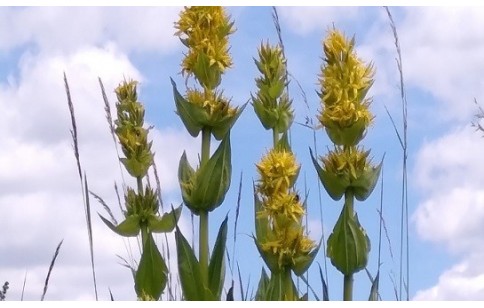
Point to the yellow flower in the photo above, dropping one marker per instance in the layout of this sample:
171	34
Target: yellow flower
278	171
215	103
288	244
350	162
285	204
345	80
204	30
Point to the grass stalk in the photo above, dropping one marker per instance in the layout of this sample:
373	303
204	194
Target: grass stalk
84	188
404	236
51	267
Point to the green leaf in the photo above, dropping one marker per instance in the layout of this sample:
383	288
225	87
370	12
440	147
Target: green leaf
185	177
151	276
223	127
365	184
335	186
301	264
129	227
134	167
276	89
191	115
261	223
348	136
348	245
208	75
189	271
216	268
262	288
263	114
213	178
166	223
270	259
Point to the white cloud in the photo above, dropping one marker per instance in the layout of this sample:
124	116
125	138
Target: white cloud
439	47
68	28
304	20
450	173
462	282
40	196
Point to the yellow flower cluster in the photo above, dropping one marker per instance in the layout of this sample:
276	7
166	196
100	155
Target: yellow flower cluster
288	244
215	103
205	30
345	81
349	163
278	171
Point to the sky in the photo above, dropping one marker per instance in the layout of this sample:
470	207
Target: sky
40	193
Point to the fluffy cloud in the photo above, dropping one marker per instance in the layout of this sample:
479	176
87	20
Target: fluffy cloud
303	20
450	172
68	28
40	196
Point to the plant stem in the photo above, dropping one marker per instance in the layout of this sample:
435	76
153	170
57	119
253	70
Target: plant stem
203	252
288	287
203	226
348	279
348	288
140	184
205	146
275	136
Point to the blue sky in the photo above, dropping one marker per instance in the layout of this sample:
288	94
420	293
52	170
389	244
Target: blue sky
40	198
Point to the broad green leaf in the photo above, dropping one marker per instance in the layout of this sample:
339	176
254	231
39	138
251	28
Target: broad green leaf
166	223
265	117
223	127
213	178
270	259
134	167
301	264
208	75
191	115
365	184
348	245
189	271
349	136
261	223
129	227
150	280
216	269
335	186
185	177
262	288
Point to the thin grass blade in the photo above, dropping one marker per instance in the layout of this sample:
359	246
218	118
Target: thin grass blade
51	267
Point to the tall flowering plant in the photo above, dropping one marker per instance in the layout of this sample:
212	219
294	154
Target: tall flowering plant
142	205
204	108
347	169
280	236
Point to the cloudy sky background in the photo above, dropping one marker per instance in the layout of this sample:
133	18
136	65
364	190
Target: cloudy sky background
40	199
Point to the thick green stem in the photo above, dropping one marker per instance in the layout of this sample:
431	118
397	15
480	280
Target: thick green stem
348	279
288	285
275	136
205	146
203	252
203	227
140	184
348	288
